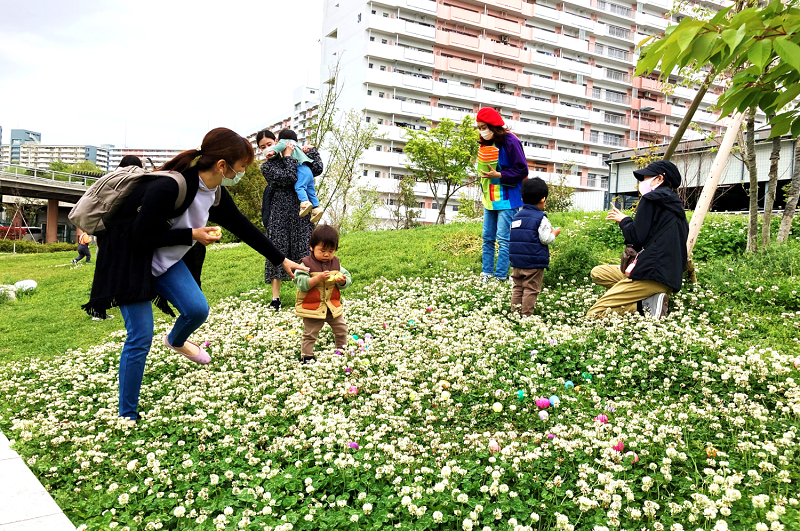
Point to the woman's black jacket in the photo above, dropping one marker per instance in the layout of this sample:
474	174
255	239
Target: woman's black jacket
125	250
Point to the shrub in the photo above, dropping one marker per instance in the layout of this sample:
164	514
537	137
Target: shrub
24	246
572	259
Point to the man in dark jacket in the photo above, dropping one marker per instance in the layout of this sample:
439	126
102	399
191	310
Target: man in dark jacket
659	233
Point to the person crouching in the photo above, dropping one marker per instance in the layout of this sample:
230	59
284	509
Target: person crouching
318	291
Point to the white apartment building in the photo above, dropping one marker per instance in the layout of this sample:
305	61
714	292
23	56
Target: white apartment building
157	156
35	155
560	73
305	101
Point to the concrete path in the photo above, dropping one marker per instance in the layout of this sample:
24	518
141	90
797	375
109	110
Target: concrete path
25	505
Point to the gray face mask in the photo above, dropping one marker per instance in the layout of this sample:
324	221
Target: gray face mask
232	181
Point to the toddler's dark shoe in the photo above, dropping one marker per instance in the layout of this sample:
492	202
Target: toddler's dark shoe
275	304
307	360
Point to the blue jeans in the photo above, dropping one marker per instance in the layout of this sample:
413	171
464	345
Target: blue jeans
304	187
179	287
496	227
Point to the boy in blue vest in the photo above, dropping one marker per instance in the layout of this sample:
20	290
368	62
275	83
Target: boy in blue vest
531	233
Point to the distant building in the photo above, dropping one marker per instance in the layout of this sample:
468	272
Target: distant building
25	148
299	118
156	155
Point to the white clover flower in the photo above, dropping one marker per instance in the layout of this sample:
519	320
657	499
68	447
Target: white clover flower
437	517
466	525
179	511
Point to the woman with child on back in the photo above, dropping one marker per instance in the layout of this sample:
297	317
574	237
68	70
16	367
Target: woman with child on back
281	207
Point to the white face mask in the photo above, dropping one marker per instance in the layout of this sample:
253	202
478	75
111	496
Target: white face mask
645	187
486	134
236	178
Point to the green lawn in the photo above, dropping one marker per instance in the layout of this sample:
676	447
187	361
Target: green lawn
51	320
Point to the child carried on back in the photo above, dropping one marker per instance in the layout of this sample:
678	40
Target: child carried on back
304	187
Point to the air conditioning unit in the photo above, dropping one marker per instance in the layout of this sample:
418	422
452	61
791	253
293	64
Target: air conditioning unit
501	86
504	39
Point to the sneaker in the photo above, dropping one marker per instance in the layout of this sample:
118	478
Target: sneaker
307	360
485	278
316	214
656	305
95	318
305	208
275	304
501	280
74	262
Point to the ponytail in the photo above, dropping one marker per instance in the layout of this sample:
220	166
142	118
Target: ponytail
218	144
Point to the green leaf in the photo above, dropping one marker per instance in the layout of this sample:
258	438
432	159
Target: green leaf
789	51
760	53
703	46
796	127
780	125
686	37
733	37
786	96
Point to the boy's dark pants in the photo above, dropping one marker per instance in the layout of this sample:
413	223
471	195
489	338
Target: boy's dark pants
313	326
527	286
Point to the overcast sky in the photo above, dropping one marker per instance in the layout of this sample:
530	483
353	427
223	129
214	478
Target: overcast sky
152	73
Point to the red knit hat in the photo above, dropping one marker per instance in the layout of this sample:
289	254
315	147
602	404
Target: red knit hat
490	116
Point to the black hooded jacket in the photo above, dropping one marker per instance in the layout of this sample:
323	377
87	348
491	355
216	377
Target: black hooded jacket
662	259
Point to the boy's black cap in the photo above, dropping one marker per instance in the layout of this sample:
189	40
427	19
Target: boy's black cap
660	167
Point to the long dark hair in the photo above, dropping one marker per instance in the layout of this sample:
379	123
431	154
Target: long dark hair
218	144
266	133
499	137
287	134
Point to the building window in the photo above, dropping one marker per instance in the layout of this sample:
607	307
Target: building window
368	119
359	17
377	173
374	12
435	206
383	68
369	92
454	208
380	121
421	204
386	15
384	41
370	65
377	148
365	173
381	94
372	39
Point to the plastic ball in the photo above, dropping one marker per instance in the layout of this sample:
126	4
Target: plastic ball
568	384
494	446
551	436
353	390
445	395
497	407
586	376
544	415
445	384
634	457
353	445
412	395
348	370
355	338
711	451
555	400
542	403
620	446
602	419
520	395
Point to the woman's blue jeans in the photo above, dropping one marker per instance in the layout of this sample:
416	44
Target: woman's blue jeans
496	227
178	286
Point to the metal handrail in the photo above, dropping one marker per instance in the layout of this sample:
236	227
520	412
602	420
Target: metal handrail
51	175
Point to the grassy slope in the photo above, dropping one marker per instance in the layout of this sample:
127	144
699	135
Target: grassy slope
51	321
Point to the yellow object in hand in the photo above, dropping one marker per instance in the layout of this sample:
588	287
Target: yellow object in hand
215	233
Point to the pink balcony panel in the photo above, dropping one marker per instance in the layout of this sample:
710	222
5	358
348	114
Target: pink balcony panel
646	83
516	5
505	26
456	13
447	38
457	65
508	51
505	75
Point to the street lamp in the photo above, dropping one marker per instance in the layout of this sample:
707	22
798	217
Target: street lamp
639	129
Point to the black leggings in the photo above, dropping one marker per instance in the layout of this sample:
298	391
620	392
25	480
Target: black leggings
83	251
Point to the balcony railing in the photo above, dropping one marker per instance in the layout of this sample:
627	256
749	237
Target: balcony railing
614	97
608	51
616	75
616	31
615	141
614	9
616	119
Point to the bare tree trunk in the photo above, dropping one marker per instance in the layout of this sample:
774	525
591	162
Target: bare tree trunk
687	119
750	162
769	200
791	199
